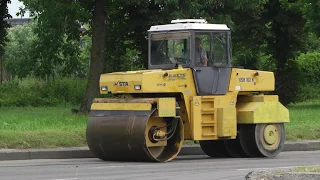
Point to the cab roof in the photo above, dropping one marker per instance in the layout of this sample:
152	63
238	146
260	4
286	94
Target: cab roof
189	24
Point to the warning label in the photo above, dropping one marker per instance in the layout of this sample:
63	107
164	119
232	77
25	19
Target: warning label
196	102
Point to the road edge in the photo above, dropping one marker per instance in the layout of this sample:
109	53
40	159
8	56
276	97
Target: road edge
83	152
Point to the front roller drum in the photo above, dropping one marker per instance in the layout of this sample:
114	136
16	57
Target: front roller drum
134	136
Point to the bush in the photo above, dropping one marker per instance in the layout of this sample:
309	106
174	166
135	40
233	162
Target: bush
288	82
309	92
35	92
310	67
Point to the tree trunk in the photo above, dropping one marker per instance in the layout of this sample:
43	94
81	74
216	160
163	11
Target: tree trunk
286	42
97	61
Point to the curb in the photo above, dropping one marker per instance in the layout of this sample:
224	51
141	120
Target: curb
84	152
60	153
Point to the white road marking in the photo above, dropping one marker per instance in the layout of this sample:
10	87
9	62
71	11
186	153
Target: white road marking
67	179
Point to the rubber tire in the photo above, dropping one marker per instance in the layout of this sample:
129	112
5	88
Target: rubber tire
214	148
234	148
251	142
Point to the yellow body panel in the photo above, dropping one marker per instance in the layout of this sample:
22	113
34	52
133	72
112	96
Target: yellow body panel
121	106
175	80
227	122
196	118
258	98
166	107
181	80
268	111
251	80
213	117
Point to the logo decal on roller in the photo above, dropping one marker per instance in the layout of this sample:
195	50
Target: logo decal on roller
121	84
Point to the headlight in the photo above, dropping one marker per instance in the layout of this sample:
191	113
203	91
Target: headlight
104	88
137	87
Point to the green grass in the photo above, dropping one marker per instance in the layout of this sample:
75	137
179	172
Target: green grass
280	172
304	121
51	127
48	127
307	169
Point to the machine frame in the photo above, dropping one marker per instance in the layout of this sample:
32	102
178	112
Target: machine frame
155	110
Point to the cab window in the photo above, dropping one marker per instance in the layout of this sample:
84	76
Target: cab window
211	46
170	48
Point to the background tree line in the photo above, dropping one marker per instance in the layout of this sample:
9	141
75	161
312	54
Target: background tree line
277	35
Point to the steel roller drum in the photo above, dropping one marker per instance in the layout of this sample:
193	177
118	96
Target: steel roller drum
121	136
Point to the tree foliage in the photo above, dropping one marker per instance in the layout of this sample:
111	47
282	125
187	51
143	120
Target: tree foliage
58	32
20	55
3	24
17	57
267	34
311	9
129	21
284	44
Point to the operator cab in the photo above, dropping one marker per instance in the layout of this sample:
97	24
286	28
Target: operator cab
178	43
195	44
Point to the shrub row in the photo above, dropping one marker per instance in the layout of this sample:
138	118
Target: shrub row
35	92
310	66
310	70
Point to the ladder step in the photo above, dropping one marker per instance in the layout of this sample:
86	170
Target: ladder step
209	134
208	111
208	122
207	125
207	97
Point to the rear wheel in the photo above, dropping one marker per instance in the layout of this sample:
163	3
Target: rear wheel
214	148
262	140
234	148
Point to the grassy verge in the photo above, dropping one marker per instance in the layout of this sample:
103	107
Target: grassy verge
307	169
304	121
280	173
48	127
51	127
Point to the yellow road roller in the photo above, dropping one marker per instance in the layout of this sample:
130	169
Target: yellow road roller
190	91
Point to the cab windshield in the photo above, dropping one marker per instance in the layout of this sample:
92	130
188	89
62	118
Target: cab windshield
211	47
170	48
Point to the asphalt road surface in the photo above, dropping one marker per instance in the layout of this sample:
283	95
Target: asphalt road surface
182	168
